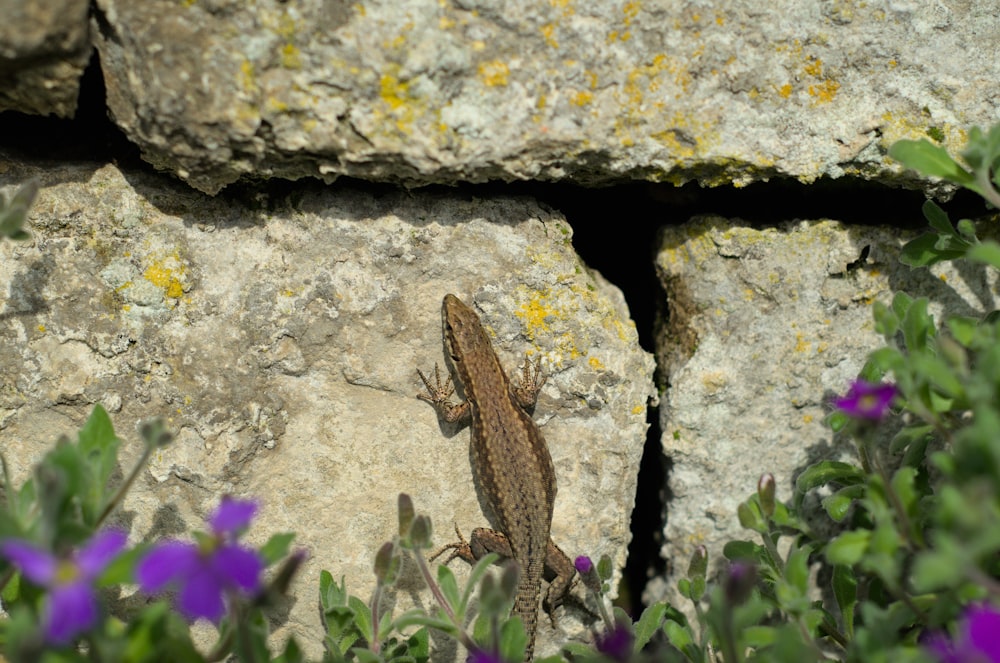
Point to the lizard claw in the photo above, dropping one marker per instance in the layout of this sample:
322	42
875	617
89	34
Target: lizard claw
436	393
461	548
530	383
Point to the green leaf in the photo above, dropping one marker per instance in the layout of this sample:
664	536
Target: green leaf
963	329
513	640
648	624
845	589
417	617
886	320
14	213
937	218
448	585
987	252
99	446
750	516
837	420
745	550
930	159
923	252
759	636
362	618
935	371
967	229
904	484
908	435
251	643
838	504
824	472
982	150
475	577
276	547
918	325
797	570
292	653
366	655
848	548
330	593
939	569
677	635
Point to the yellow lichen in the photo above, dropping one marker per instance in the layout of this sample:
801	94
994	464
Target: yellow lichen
248	78
290	57
494	73
166	274
549	34
824	92
394	92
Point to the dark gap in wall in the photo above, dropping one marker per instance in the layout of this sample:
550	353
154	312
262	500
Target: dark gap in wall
615	230
89	135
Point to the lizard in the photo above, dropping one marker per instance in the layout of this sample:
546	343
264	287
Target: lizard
510	459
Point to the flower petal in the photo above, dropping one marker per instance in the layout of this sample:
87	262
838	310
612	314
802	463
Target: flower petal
866	400
38	566
202	596
97	554
173	559
983	631
71	609
237	566
232	516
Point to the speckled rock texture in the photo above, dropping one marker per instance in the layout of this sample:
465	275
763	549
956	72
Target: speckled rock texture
419	91
766	327
44	47
280	340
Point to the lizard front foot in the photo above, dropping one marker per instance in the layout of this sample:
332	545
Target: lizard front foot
461	549
531	383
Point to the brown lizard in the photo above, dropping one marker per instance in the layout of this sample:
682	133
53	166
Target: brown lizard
510	459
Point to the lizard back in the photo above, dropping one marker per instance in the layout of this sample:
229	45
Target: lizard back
510	457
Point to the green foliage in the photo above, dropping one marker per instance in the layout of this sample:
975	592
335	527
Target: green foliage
14	212
61	507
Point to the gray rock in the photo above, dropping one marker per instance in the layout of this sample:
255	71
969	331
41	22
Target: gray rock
280	340
44	48
766	327
419	92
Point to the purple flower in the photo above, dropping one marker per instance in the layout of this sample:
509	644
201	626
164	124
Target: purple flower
206	571
616	644
978	639
71	605
866	400
480	656
740	581
583	564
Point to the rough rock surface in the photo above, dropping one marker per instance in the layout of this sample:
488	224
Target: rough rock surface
766	326
420	91
280	338
44	47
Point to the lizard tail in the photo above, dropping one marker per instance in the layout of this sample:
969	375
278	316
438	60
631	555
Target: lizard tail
526	605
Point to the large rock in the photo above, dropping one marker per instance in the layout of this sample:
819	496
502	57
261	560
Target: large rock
44	48
765	327
594	92
280	339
